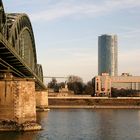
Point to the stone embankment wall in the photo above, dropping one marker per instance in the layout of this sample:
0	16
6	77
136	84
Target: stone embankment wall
91	101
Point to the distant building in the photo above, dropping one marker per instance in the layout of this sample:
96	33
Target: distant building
104	83
108	55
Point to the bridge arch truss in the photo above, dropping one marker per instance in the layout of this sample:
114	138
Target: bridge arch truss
17	46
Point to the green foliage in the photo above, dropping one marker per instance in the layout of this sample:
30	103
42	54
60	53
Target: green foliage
123	92
89	88
53	83
61	84
75	83
77	87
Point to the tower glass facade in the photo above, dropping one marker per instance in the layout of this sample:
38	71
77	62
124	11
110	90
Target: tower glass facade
108	55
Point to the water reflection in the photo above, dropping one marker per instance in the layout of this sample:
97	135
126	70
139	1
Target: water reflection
32	135
83	124
118	124
105	127
17	135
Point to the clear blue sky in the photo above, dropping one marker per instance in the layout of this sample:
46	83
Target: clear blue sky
66	33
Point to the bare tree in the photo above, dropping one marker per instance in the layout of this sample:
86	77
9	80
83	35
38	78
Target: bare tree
75	83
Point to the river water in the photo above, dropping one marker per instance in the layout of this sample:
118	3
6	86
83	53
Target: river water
83	124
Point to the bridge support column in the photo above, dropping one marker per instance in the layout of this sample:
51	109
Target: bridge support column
17	105
42	100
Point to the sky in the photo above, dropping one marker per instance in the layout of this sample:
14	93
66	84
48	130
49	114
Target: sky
66	33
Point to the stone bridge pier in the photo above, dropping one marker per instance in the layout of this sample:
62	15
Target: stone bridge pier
42	100
18	103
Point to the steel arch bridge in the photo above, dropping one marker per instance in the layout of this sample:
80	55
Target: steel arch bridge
17	47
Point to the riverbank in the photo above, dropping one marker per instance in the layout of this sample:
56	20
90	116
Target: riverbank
94	102
94	107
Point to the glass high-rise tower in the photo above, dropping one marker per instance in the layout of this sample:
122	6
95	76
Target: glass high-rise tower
108	55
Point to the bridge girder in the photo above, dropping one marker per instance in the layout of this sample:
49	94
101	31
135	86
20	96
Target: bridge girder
17	45
21	37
